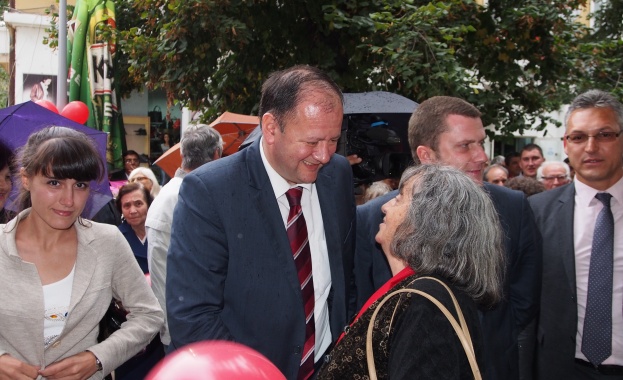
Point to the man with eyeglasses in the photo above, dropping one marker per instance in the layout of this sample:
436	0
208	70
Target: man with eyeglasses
553	174
130	162
581	317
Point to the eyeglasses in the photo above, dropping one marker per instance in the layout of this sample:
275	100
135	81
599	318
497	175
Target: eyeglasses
131	161
558	177
581	138
141	179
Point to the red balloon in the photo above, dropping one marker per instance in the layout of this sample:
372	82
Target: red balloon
215	360
76	111
47	104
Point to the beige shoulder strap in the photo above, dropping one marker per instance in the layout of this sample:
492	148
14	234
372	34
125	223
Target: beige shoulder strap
461	330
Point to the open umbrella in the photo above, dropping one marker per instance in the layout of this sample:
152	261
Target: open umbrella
170	160
233	127
18	122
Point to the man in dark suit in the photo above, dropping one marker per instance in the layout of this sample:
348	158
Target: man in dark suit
131	161
230	269
569	220
449	131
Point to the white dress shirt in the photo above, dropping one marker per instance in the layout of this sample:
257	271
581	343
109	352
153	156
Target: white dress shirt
158	232
321	271
586	209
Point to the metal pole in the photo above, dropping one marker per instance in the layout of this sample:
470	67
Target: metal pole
61	85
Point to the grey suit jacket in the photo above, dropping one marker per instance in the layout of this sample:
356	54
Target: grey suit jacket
105	267
230	272
558	318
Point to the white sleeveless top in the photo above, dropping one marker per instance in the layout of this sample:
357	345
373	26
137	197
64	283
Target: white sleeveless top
56	298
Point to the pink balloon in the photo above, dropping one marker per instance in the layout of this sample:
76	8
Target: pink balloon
47	104
76	111
215	360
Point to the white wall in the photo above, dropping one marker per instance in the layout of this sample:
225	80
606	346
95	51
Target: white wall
31	55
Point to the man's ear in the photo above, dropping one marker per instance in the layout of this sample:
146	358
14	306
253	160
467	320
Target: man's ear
425	154
269	127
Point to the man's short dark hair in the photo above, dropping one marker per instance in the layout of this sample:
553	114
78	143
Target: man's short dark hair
509	157
130	153
428	121
530	147
284	90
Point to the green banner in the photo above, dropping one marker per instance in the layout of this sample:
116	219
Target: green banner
92	71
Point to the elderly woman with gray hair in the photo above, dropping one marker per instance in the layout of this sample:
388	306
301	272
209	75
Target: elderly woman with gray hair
444	253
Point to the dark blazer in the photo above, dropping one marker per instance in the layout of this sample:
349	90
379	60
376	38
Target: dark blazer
118	175
502	324
558	318
139	249
230	272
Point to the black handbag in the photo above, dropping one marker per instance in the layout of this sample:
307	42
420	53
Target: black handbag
112	320
155	116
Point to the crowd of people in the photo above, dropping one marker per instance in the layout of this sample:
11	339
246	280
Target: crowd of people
450	274
527	171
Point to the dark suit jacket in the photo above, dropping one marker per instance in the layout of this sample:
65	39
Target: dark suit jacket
139	249
502	324
558	318
118	175
230	272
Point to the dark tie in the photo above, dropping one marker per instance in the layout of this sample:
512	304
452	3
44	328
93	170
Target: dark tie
299	243
597	336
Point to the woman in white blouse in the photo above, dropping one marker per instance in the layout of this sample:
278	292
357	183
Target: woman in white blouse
60	271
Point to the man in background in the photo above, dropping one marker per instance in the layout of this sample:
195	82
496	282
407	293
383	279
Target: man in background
131	161
496	175
553	174
531	159
449	131
200	144
512	164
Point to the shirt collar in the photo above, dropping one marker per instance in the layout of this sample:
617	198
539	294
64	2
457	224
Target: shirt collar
586	194
279	184
180	173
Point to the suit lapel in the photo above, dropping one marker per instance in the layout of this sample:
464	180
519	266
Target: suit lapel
564	239
325	185
263	199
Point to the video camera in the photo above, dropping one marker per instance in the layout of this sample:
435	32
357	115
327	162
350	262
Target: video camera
383	147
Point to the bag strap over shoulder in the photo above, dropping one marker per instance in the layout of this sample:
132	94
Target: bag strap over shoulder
461	330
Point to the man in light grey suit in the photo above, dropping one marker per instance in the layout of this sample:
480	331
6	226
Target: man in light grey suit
567	217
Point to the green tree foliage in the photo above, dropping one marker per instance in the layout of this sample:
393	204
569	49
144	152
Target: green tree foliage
516	60
215	54
603	50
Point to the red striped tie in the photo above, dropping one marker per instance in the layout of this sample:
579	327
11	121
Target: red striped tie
299	243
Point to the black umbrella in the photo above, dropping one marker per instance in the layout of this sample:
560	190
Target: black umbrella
393	108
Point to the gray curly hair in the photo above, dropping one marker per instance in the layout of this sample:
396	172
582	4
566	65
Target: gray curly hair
452	229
